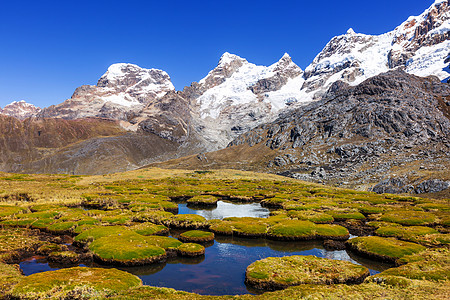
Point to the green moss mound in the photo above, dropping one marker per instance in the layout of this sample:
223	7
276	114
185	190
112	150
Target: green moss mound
155	216
274	273
346	215
9	211
187	221
99	232
62	227
221	227
306	230
196	236
387	249
419	290
418	234
313	216
9	276
431	264
148	228
191	249
70	283
248	227
332	232
128	249
293	230
409	217
203	200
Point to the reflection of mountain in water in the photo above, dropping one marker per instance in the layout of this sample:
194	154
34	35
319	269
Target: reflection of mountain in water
226	210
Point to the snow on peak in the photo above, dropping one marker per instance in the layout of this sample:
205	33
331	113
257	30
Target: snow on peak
120	70
21	103
286	64
228	58
350	31
439	1
286	56
20	109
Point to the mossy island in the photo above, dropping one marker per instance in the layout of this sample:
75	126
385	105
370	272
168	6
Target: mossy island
73	283
203	201
196	236
275	273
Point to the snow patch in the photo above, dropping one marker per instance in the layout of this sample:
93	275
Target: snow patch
430	61
121	99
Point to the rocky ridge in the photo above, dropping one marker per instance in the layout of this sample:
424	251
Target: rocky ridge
362	133
420	44
237	96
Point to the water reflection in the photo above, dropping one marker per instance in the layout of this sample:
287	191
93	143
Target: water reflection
221	271
226	209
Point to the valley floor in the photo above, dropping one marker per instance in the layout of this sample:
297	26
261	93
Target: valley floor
132	220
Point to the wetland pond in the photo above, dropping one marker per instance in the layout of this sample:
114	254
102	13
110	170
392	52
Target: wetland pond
221	271
226	209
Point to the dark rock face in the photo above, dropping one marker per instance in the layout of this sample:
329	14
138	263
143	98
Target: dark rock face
394	104
169	118
431	186
361	132
284	70
393	186
400	185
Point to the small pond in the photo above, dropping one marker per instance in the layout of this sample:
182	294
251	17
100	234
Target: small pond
222	270
226	209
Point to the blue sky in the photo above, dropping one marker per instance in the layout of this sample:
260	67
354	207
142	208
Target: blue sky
48	48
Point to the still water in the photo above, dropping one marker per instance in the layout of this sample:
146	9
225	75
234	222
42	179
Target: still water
226	210
221	271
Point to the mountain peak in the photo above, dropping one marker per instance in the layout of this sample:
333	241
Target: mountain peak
119	69
286	57
20	109
285	64
350	31
228	58
121	76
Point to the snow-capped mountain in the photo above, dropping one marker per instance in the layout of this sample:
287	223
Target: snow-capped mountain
238	95
420	44
235	97
20	110
123	89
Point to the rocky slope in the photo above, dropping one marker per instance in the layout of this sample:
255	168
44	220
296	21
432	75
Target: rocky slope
20	110
82	146
393	123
